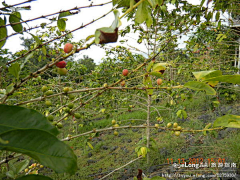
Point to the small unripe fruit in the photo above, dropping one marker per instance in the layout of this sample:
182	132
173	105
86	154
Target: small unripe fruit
67	109
66	89
115	125
179	128
59	125
26	170
125	72
159	81
115	133
48	103
169	125
123	83
105	85
54	123
77	115
41	166
50	117
175	125
49	92
177	133
62	71
44	88
70	105
68	47
113	122
157	125
169	88
71	96
61	64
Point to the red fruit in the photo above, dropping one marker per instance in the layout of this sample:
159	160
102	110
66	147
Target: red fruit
159	81
61	64
125	72
68	47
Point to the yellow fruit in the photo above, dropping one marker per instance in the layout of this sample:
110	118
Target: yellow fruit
113	122
66	89
115	133
26	170
48	103
62	71
41	166
49	92
105	85
169	125
179	128
157	125
115	125
177	133
175	125
44	88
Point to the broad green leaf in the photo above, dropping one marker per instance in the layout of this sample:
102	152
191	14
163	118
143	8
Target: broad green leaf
36	39
3	33
26	60
142	13
227	121
64	14
117	22
148	83
149	19
42	146
44	50
9	88
159	67
159	2
149	66
21	165
10	174
206	127
184	113
152	3
179	113
202	2
14	117
121	3
157	74
34	177
206	74
14	69
3	142
199	86
14	18
234	79
61	23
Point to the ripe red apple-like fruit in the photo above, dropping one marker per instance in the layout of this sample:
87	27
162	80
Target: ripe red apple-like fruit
61	64
159	81
125	72
68	47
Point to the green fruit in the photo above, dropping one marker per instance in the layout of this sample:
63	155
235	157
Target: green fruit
113	122
70	105
44	88
179	128
49	92
59	125
50	117
71	96
67	109
66	89
169	125
169	88
177	133
115	133
62	71
175	125
48	103
54	123
115	125
77	115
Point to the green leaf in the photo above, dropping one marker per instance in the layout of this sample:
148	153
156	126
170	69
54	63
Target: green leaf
227	121
90	145
202	2
44	50
217	16
158	178
10	174
179	113
36	39
3	33
207	74
21	165
34	177
14	69
150	65
14	117
26	59
117	22
121	3
64	14
142	13
184	113
15	17
199	86
206	127
157	74
234	79
148	83
61	23
42	146
159	67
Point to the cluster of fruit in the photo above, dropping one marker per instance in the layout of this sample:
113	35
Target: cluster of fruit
62	64
177	129
33	169
114	124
